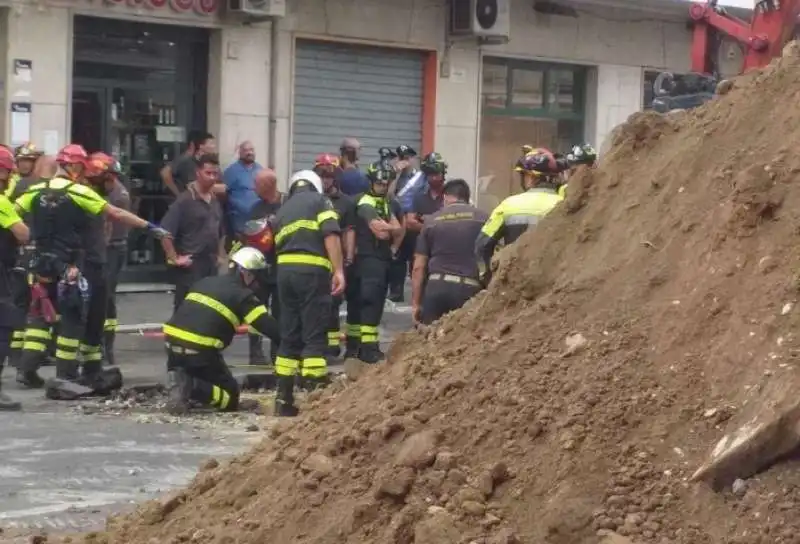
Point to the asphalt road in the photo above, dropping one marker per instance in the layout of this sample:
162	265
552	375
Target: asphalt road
66	466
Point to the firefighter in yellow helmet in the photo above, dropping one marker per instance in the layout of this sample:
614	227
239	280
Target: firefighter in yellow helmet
25	157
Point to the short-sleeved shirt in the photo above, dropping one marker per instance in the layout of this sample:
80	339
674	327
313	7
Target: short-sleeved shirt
426	204
184	171
448	240
196	224
368	209
238	178
71	228
352	181
120	198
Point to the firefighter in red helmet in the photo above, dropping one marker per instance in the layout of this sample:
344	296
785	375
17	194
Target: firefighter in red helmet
72	159
326	166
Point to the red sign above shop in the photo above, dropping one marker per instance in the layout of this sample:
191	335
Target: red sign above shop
201	7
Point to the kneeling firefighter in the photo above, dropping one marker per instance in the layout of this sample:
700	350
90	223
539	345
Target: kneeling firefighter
310	273
63	210
13	282
204	324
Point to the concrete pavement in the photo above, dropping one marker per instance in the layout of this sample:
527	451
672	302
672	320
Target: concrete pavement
66	466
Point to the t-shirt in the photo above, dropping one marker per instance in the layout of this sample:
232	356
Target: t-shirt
352	181
184	171
448	240
238	178
196	225
120	198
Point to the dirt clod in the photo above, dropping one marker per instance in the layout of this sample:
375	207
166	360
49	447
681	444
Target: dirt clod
619	342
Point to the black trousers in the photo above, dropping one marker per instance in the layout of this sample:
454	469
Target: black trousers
441	297
401	267
117	255
268	294
184	278
212	382
366	296
304	292
91	345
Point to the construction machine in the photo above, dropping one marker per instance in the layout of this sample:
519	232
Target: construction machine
772	26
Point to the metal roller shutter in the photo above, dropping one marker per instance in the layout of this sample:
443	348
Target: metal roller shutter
371	93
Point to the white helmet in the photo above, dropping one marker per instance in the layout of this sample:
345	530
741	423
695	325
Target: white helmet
249	258
308	176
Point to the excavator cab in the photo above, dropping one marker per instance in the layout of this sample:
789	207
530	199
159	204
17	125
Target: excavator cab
761	39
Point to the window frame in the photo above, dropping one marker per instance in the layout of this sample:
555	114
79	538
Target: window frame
580	75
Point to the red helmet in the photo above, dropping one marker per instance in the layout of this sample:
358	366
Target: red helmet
99	164
72	154
6	159
258	234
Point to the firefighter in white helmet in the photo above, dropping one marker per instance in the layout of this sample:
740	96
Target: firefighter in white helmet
310	272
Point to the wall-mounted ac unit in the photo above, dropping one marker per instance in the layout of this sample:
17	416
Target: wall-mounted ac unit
258	9
489	20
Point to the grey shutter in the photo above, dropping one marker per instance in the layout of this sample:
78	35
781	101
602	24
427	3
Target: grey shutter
371	93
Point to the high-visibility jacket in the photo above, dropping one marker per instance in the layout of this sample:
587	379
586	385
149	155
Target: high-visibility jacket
209	316
511	218
300	228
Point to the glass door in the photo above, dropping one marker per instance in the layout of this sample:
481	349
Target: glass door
89	117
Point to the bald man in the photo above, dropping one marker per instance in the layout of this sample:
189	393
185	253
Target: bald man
269	200
239	180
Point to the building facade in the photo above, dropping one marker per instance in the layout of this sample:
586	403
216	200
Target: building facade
134	76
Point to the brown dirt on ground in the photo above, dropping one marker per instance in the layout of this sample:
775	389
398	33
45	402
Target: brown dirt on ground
617	343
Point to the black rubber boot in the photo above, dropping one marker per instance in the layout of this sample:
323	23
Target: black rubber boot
284	398
351	347
108	347
257	356
180	392
6	404
371	353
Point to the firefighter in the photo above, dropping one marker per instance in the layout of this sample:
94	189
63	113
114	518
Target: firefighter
103	172
204	324
325	167
61	210
25	156
25	175
13	284
517	213
310	273
378	237
444	259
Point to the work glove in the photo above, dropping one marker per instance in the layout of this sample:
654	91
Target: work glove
157	232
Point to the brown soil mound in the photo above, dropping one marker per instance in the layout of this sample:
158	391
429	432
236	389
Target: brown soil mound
616	345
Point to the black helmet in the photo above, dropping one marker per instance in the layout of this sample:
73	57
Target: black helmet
433	163
386	153
381	172
405	151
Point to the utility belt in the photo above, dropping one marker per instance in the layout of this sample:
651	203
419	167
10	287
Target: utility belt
452	278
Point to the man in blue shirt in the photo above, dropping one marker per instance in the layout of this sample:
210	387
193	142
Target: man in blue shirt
401	266
350	179
240	191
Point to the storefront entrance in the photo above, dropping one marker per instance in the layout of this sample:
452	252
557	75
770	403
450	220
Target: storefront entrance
138	89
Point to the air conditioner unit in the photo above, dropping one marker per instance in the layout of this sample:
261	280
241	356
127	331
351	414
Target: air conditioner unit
258	9
486	19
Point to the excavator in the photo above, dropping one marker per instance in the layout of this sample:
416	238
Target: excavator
762	39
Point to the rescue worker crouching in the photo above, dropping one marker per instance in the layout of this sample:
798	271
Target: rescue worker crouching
204	324
379	234
63	212
13	281
445	269
517	213
325	167
310	273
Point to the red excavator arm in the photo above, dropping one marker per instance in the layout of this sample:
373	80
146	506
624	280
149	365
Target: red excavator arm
763	38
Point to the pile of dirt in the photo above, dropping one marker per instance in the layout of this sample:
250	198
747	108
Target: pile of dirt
650	314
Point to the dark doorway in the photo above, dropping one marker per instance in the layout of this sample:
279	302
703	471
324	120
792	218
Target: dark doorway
138	90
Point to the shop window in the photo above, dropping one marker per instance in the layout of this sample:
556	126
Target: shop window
527	88
495	85
525	102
